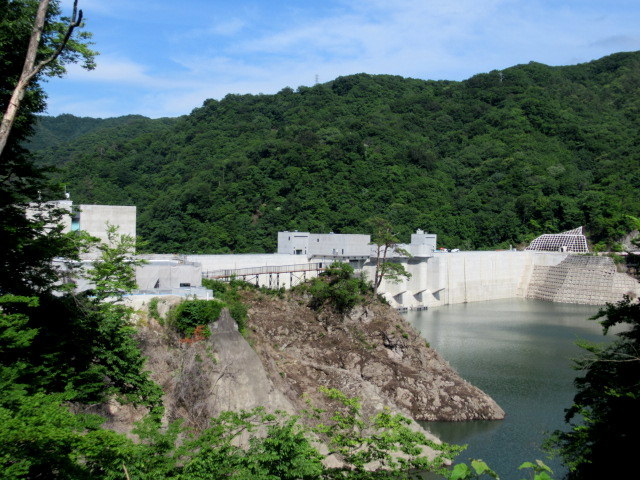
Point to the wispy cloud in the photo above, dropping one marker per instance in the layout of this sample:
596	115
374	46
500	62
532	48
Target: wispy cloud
622	42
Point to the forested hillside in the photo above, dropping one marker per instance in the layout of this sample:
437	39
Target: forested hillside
487	162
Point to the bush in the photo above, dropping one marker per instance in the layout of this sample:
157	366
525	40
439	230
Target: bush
238	311
337	287
153	309
218	287
193	313
228	293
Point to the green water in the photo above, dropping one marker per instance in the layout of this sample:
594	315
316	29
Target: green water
519	352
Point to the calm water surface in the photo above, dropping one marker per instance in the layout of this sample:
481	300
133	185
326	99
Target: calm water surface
519	352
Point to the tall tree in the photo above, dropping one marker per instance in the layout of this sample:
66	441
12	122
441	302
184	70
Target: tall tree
386	242
26	244
50	47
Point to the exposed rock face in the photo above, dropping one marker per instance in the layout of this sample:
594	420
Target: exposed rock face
205	378
373	354
200	379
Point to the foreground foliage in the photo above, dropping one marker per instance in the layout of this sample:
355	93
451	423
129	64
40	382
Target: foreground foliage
43	438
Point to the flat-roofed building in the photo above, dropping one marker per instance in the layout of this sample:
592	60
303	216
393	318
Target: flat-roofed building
94	219
326	245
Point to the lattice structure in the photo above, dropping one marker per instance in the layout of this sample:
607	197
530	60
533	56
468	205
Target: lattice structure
581	279
569	241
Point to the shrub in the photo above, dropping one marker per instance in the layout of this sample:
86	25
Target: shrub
238	311
216	286
228	293
153	309
338	287
193	313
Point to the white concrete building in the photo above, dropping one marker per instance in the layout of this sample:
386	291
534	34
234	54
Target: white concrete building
325	245
92	219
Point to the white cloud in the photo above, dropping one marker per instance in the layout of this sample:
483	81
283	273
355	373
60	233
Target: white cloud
229	27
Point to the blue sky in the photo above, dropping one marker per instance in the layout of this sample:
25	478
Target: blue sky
163	58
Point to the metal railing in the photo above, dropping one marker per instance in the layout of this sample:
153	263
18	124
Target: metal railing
266	270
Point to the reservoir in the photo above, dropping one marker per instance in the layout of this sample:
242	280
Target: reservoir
519	352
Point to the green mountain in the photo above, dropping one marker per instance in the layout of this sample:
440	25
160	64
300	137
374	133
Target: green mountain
57	137
491	161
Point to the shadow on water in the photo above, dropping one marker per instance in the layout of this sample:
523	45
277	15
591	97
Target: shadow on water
460	432
519	352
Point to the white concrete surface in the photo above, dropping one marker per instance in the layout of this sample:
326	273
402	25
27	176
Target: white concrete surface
447	278
94	218
324	244
168	275
227	262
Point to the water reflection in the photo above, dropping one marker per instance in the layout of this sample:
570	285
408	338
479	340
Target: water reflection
519	352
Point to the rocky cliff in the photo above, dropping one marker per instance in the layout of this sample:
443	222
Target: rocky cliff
371	353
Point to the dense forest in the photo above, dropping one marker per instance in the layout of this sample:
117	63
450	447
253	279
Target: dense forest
491	161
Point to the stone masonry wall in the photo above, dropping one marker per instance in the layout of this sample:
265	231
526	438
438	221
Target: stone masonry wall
581	279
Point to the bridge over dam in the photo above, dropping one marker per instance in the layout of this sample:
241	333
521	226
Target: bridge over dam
270	276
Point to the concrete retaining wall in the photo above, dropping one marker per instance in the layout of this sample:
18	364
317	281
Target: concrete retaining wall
581	279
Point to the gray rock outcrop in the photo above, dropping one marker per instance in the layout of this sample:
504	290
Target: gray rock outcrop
372	354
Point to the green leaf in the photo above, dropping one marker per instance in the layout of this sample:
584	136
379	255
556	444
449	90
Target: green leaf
482	468
460	471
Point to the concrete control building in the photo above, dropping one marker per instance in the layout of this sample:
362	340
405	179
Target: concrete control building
161	274
347	246
92	219
326	245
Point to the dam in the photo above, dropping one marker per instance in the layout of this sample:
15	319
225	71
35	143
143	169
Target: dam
461	277
436	277
554	267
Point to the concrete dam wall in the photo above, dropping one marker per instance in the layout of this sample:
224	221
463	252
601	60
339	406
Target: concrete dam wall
448	278
439	278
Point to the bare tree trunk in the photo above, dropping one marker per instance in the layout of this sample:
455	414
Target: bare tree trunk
30	69
379	268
